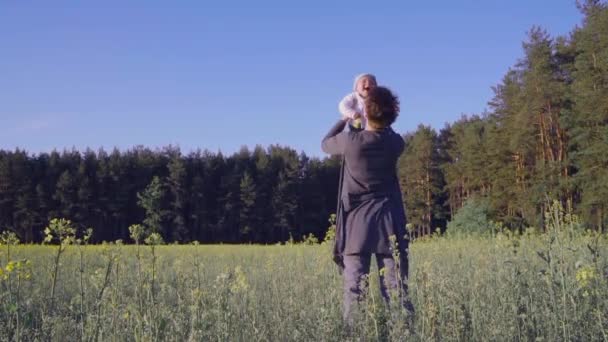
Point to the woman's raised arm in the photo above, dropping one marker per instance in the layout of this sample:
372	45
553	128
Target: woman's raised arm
335	141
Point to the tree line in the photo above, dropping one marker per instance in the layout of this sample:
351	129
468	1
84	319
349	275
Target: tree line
544	137
265	195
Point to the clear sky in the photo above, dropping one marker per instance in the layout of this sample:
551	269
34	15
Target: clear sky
221	74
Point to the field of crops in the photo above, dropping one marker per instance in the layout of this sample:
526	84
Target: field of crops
530	287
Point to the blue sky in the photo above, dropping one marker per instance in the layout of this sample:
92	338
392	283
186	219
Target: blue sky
222	74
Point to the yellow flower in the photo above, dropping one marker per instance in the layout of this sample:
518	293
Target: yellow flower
239	284
585	275
10	266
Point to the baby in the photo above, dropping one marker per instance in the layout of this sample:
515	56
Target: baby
352	105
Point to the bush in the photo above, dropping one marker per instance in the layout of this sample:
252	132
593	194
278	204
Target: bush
471	219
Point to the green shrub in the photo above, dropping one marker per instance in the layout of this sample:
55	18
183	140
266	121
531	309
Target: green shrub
471	219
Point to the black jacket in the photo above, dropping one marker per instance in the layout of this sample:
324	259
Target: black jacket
371	207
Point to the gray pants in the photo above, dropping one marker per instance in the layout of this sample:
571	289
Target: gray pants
356	268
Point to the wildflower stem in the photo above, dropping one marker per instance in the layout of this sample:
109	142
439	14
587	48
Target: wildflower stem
82	295
55	272
17	310
106	281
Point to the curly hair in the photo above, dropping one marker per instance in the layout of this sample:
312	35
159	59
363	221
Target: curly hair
382	107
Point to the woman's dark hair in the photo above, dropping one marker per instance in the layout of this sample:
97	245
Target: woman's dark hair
382	107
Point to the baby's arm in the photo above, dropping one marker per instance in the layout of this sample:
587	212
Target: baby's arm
347	106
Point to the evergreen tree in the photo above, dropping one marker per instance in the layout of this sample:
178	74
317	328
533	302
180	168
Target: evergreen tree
7	193
590	129
177	184
284	198
25	214
247	217
66	195
421	180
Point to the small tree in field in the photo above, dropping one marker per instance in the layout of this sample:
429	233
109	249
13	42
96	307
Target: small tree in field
151	201
471	219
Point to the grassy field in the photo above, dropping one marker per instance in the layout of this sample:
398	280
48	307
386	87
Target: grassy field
530	287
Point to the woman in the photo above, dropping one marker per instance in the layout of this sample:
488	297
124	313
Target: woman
371	217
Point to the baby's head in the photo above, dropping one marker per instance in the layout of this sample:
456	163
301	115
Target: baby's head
364	83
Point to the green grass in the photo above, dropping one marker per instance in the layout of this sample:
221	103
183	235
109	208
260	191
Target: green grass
546	287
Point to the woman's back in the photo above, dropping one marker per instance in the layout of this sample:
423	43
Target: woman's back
371	161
